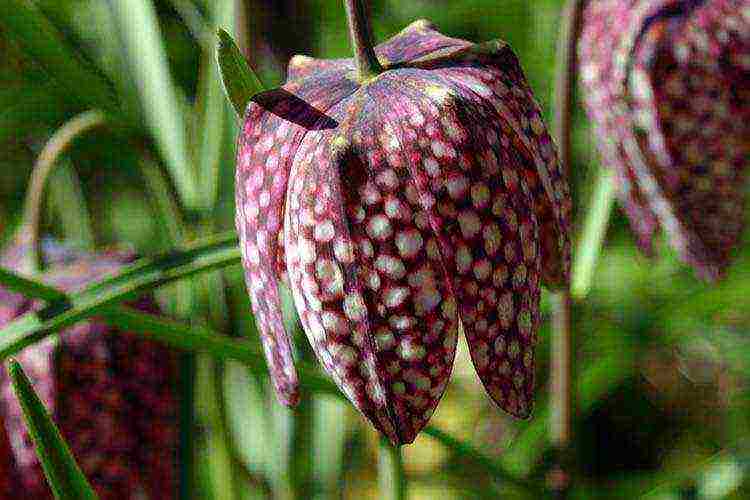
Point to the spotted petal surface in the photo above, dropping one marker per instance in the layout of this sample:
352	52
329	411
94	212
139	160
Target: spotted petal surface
275	124
111	395
666	86
434	200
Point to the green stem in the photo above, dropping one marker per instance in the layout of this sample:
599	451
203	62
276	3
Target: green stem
561	394
44	166
360	35
391	472
212	416
302	457
186	452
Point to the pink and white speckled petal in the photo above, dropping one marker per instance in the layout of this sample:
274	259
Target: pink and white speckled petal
274	126
482	213
491	73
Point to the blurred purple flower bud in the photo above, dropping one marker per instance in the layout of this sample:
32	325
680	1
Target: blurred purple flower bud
667	84
111	394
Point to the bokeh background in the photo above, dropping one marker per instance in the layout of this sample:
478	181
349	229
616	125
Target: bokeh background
662	361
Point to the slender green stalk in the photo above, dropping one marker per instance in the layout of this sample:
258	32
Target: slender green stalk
361	39
216	435
594	230
561	394
391	472
45	164
302	457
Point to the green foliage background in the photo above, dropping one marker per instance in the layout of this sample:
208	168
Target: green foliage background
662	360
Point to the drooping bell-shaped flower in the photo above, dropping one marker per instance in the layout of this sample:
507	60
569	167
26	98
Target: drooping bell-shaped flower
111	393
667	83
397	206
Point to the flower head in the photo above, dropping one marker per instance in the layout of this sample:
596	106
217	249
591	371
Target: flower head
666	83
397	208
110	394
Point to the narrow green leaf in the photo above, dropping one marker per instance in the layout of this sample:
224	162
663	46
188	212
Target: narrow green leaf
145	274
139	30
63	474
217	251
239	80
211	411
181	336
30	288
175	334
43	42
594	230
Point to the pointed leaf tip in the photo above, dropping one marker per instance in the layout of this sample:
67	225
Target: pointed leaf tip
239	81
63	474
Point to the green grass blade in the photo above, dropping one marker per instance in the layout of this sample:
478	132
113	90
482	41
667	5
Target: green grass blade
213	113
63	474
172	333
181	336
144	275
239	80
594	230
30	288
67	199
42	41
139	30
214	252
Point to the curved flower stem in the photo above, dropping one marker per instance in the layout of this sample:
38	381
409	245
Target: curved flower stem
44	166
562	343
360	34
391	472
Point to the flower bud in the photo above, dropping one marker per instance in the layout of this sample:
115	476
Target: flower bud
110	393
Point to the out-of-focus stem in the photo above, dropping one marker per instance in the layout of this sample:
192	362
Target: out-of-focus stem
242	27
302	457
561	393
360	34
391	472
213	418
44	166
